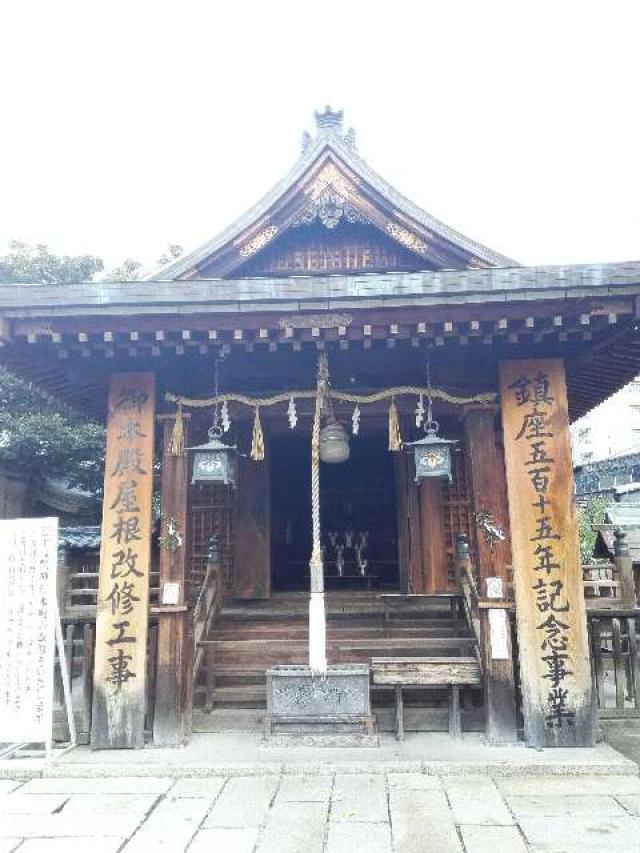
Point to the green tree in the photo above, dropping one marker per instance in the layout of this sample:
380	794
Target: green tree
129	270
39	438
590	513
26	264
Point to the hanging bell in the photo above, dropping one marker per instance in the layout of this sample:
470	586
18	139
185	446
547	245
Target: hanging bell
334	443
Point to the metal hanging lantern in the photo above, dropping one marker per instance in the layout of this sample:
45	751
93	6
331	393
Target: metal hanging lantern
432	454
334	443
215	461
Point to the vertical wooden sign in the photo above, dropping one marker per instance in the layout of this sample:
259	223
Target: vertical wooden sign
123	597
550	613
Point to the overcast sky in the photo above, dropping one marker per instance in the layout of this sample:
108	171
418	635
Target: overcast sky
129	125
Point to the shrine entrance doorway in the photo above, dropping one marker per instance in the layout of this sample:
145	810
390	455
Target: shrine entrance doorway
358	516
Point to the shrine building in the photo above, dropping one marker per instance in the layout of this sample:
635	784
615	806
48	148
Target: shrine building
339	396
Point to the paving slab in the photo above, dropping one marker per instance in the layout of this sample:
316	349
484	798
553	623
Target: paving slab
349	837
198	787
105	804
294	828
570	835
74	826
493	839
359	798
554	806
70	845
305	789
244	802
8	845
220	840
570	786
31	804
8	785
414	782
108	785
171	825
477	801
422	820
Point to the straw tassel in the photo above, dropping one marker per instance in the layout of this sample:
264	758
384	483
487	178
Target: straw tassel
395	440
176	445
257	441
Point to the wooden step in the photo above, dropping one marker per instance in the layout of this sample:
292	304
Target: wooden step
301	632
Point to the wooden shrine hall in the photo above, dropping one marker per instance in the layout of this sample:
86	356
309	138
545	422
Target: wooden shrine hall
337	400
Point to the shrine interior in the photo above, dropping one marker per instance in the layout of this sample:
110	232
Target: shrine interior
359	530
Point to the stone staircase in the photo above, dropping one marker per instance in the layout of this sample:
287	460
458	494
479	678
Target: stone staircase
250	636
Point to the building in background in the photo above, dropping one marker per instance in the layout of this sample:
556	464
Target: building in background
612	429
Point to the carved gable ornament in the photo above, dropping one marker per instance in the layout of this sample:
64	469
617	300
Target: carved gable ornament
258	242
330	192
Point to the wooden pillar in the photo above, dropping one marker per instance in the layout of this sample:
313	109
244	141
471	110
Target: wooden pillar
497	653
174	688
125	556
489	488
624	568
555	670
434	545
252	550
412	578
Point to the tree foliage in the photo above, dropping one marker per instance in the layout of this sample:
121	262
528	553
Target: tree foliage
27	264
38	438
590	513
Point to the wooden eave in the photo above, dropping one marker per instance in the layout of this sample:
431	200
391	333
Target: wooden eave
435	245
68	338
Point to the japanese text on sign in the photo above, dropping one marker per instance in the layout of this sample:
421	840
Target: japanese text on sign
28	562
124	561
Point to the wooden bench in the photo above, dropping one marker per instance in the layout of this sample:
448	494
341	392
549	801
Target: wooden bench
416	673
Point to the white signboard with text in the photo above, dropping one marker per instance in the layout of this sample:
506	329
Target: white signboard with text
28	565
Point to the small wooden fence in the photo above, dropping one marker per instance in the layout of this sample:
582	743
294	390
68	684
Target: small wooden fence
613	638
79	592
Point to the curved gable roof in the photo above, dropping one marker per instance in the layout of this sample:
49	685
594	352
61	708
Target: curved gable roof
330	161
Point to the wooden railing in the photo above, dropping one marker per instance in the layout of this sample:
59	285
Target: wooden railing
204	613
77	585
613	639
467	585
79	646
489	618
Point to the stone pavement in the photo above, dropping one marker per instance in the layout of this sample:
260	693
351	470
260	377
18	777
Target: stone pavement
390	812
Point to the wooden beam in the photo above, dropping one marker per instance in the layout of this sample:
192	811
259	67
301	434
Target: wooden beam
173	702
489	487
499	682
434	546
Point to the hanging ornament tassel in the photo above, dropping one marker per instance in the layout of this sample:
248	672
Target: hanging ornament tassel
257	442
355	420
292	414
176	445
395	440
420	412
225	420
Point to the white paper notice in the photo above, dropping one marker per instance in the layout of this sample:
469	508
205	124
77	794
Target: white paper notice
28	564
498	631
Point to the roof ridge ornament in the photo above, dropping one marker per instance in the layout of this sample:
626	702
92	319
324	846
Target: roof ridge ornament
330	122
